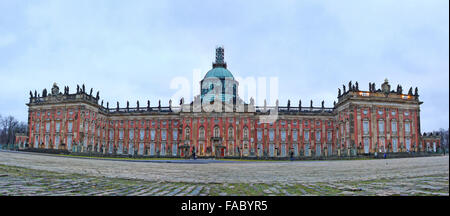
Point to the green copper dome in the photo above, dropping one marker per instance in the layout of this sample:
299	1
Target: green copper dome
219	72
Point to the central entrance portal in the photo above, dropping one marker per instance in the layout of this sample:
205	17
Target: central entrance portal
219	148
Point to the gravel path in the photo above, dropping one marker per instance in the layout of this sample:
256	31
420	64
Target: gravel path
257	172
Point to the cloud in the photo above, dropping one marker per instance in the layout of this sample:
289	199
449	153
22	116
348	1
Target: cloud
132	51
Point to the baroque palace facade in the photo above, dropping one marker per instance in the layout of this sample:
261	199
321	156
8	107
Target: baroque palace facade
217	123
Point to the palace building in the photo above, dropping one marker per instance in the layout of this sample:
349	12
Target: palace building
218	123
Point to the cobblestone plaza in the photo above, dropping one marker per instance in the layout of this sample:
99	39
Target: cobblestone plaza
36	174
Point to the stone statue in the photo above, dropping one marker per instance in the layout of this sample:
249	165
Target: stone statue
300	105
44	93
311	104
148	104
55	89
343	87
31	94
102	103
137	104
276	103
323	104
78	89
128	105
370	87
181	101
35	93
252	101
350	86
170	103
339	92
289	104
159	104
416	92
356	86
90	93
83	89
265	105
117	105
410	91
107	105
98	95
334	103
373	87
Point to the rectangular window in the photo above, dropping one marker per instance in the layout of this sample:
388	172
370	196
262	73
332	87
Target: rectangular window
306	136
163	135
394	127
407	128
152	134
318	136
47	127
57	141
69	141
381	126
294	135
70	127
259	135
283	135
329	136
111	134
131	134
175	135
121	134
57	127
141	134
366	127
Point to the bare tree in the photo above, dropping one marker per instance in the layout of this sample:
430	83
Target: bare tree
9	126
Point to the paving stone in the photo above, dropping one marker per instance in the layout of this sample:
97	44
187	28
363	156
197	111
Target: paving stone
196	191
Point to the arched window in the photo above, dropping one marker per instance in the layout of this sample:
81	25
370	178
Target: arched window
187	133
216	132
230	133
201	132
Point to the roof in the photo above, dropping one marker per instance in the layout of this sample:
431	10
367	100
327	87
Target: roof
219	72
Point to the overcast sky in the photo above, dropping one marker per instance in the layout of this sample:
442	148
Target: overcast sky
132	50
